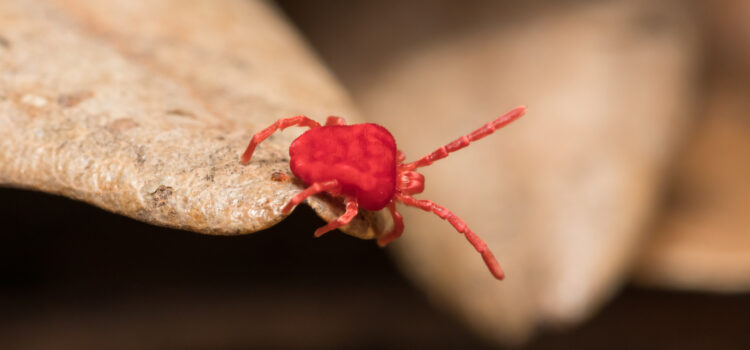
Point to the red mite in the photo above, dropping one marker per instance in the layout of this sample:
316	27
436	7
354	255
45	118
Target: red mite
361	163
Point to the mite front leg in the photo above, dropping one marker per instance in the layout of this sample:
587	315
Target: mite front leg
332	120
282	124
465	140
352	207
461	227
331	186
398	226
400	157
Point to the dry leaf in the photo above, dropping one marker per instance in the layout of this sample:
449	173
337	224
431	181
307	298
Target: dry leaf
702	241
143	108
561	195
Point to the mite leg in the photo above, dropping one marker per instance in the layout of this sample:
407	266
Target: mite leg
398	226
315	188
335	121
465	140
400	157
460	226
282	124
352	207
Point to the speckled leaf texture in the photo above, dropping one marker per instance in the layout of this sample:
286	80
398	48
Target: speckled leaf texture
143	108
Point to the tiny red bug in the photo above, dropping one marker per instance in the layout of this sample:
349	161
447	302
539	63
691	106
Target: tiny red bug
361	163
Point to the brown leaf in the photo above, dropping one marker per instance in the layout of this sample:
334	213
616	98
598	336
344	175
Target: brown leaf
702	239
144	107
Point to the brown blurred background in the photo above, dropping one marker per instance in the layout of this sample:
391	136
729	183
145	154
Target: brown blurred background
661	259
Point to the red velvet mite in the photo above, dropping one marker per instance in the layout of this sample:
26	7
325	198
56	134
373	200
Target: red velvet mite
361	163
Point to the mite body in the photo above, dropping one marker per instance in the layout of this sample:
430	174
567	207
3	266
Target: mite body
362	163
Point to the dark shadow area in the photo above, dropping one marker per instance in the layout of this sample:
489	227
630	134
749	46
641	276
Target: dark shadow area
75	276
649	319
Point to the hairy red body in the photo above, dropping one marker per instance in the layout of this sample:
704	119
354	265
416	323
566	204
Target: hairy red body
361	157
361	163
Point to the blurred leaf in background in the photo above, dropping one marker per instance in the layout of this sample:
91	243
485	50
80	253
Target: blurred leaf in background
564	195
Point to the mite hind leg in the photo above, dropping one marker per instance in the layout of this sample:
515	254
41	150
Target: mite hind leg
330	186
352	207
282	124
